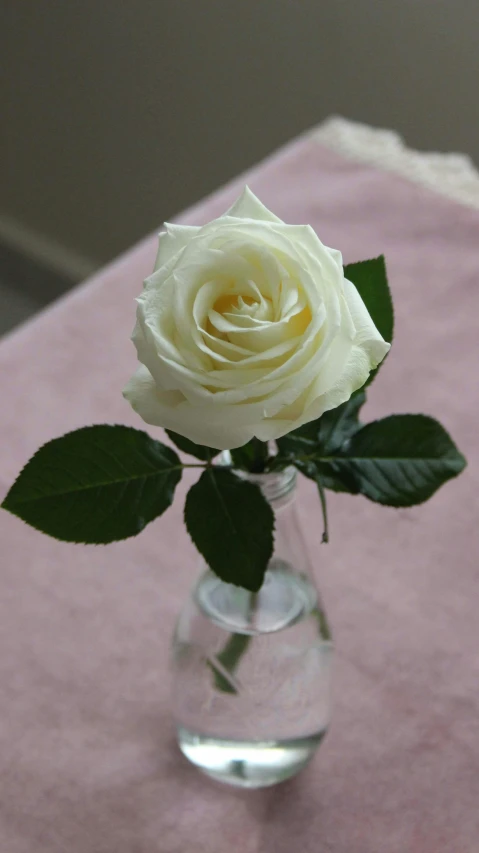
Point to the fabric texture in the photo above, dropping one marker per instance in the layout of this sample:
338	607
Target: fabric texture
452	175
88	760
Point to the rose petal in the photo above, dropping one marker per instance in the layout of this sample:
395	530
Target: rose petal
170	410
172	241
248	206
367	336
247	327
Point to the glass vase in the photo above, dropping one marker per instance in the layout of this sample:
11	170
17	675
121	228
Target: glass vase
251	672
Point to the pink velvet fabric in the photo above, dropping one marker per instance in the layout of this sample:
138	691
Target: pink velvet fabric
88	761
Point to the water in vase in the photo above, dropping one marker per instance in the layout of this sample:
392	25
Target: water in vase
251	677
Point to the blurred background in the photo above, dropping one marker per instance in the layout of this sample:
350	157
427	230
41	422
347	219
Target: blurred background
117	114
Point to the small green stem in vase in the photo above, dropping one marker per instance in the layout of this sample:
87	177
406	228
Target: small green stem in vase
322	497
226	662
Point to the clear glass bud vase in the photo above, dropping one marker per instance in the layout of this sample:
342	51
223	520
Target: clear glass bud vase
251	672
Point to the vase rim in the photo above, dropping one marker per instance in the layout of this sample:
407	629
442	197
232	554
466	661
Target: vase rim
275	485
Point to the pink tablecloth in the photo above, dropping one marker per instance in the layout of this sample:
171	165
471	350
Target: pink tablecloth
88	759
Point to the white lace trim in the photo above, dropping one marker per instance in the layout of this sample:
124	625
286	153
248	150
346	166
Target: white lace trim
452	175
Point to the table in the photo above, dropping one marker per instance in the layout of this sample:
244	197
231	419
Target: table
88	762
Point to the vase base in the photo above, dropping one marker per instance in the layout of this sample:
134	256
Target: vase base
248	764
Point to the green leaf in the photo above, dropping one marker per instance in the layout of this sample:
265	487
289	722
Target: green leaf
333	477
97	484
199	451
301	441
401	460
312	446
370	279
338	425
251	457
330	431
231	524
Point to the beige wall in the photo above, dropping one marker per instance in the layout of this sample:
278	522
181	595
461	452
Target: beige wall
118	113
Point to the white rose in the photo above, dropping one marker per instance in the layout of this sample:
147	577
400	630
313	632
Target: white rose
247	327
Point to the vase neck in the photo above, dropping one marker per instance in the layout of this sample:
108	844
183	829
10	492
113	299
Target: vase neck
279	487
